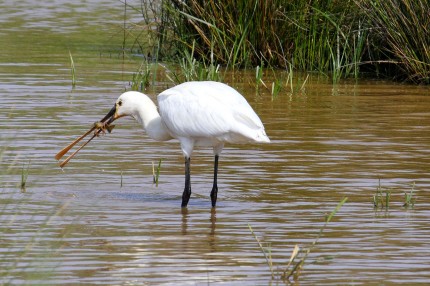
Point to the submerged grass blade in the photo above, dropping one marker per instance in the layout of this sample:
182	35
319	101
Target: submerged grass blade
72	70
379	201
299	266
296	267
409	198
24	175
156	173
267	254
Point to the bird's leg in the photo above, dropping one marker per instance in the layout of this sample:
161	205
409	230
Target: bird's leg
214	191
187	190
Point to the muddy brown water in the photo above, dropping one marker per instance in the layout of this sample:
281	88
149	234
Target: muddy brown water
81	226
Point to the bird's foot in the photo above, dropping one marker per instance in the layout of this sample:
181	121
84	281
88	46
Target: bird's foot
186	197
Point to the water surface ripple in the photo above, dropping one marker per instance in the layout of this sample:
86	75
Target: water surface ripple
80	226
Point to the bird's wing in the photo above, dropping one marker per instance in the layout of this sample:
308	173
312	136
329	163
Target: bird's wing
206	109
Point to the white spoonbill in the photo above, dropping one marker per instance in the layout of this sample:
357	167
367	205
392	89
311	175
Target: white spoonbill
200	113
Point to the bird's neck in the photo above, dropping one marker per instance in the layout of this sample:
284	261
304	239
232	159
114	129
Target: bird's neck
157	130
151	121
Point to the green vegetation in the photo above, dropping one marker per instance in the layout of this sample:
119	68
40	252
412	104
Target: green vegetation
156	173
336	38
402	31
191	69
409	198
381	199
318	37
24	176
72	70
294	268
141	78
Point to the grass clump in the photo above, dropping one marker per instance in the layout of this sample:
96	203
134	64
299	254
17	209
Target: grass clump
192	70
409	198
276	32
141	78
335	38
402	31
381	199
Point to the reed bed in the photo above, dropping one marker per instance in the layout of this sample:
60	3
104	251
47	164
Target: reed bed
337	38
311	36
402	29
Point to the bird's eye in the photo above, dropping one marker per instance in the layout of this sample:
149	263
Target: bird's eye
119	103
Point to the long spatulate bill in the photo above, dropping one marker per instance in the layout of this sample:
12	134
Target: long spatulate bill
98	127
70	146
62	164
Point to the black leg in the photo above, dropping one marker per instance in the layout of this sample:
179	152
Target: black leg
187	190
214	192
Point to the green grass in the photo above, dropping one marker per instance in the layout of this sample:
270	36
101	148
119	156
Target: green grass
318	36
381	199
276	88
141	79
259	77
401	33
409	198
24	175
339	39
192	70
72	70
156	172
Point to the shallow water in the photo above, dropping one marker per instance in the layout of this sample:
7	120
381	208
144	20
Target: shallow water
82	226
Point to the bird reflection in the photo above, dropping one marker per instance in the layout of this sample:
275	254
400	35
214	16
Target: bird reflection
184	224
185	217
212	227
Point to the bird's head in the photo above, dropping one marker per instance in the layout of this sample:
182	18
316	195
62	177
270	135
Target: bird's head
125	105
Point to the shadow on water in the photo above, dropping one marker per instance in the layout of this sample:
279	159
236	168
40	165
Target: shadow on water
81	227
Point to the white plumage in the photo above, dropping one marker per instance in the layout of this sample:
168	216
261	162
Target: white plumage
209	113
197	114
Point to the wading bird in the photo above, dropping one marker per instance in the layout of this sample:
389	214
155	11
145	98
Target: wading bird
202	113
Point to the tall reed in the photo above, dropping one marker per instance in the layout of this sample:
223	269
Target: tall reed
403	28
336	38
311	35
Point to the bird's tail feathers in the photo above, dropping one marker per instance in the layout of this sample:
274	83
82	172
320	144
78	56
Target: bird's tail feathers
262	137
